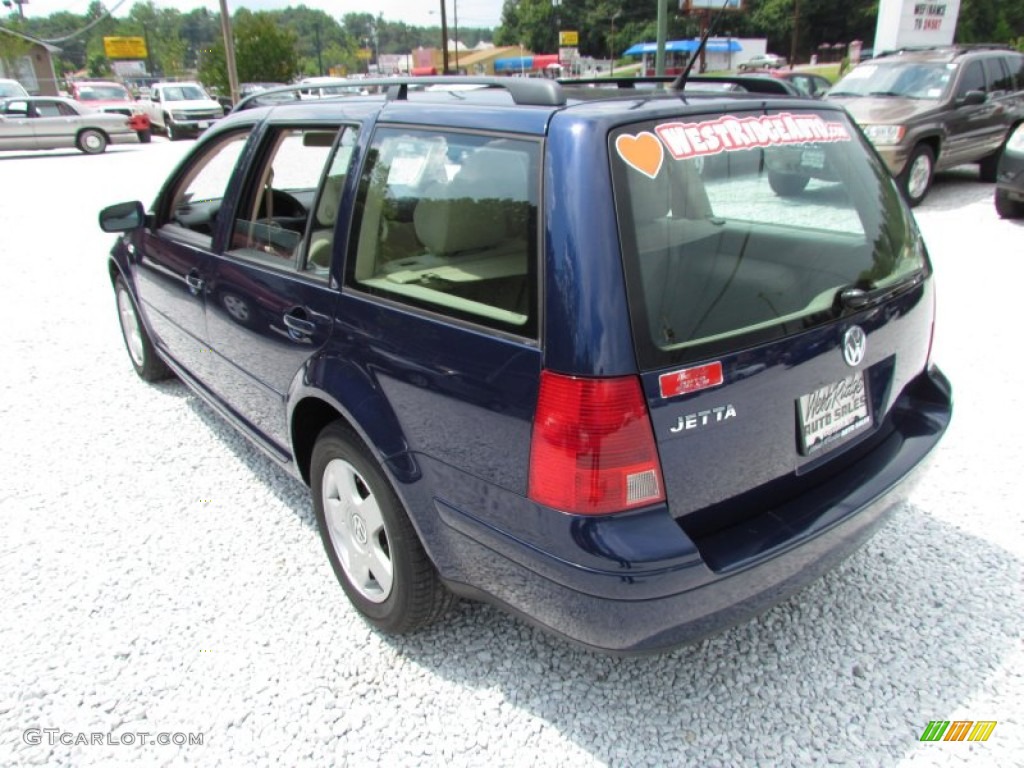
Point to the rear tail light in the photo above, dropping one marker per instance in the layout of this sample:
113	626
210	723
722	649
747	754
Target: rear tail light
593	449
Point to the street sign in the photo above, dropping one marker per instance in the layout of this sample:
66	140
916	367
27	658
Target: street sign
124	47
568	38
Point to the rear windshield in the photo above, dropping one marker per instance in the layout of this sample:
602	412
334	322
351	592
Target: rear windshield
741	229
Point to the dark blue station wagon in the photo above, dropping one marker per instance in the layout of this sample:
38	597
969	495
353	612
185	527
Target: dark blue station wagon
525	346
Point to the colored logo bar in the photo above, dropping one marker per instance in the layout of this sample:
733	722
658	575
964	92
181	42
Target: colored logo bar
958	730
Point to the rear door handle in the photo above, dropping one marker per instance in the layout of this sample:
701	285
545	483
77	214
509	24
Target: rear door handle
195	282
295	321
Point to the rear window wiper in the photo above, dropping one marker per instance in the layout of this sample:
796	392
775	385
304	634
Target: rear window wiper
857	297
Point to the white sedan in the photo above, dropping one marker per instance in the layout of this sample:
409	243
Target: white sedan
45	122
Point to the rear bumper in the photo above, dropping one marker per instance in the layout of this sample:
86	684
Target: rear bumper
649	601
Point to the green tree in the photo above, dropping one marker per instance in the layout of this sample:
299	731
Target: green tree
12	50
264	52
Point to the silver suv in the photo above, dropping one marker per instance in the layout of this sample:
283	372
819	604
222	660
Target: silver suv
928	110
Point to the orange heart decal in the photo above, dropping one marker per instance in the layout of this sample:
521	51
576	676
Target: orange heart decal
643	152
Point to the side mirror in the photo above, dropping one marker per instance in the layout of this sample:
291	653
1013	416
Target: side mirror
972	98
122	217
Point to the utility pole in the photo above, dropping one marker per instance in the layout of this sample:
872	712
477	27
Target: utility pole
229	50
444	39
659	57
796	33
455	5
319	56
20	4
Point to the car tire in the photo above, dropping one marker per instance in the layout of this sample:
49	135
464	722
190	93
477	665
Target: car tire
91	141
787	184
916	178
370	541
172	135
145	360
988	167
1007	208
145	136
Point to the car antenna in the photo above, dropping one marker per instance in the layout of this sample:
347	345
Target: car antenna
680	82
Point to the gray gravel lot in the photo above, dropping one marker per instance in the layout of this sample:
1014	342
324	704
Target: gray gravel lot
160	576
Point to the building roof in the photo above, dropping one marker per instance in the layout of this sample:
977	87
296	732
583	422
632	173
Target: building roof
721	45
48	46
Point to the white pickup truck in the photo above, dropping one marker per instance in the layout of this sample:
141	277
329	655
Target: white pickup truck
181	109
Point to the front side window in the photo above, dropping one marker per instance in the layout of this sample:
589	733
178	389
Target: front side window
449	223
973	79
273	210
195	200
739	229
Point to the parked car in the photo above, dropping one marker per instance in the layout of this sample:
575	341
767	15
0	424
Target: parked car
633	416
51	122
325	87
114	98
181	109
1010	177
808	83
10	88
762	61
275	96
929	110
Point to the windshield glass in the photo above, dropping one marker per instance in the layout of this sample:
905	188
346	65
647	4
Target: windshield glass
184	93
12	89
102	93
911	80
739	229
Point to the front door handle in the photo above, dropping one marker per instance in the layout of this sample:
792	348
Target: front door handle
195	282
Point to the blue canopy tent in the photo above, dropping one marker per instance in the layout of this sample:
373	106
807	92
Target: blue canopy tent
720	48
685	46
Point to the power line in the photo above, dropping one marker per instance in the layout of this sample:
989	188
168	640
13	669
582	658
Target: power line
82	31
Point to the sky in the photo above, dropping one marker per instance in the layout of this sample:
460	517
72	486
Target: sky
418	13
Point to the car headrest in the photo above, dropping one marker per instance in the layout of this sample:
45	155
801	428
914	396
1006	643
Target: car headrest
330	200
451	225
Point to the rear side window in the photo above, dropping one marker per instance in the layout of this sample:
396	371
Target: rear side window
447	222
1016	64
737	230
999	79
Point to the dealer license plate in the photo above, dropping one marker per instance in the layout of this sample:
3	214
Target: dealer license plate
833	412
813	158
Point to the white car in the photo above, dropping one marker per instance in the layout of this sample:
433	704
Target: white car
51	122
11	88
328	87
181	109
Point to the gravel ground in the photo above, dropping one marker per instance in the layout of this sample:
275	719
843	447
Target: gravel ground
160	576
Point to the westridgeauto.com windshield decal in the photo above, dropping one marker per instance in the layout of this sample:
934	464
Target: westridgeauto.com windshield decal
644	152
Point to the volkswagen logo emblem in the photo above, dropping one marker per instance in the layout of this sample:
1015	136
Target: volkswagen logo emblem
855	343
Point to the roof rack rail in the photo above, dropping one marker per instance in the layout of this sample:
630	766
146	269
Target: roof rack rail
749	83
957	49
538	92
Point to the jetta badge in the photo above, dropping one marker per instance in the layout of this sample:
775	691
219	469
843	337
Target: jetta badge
855	343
